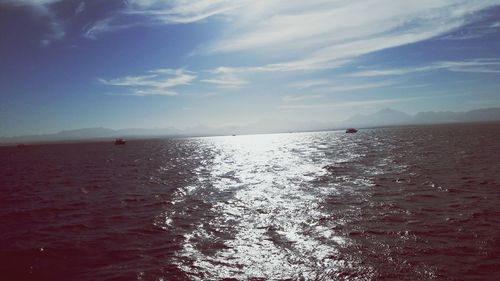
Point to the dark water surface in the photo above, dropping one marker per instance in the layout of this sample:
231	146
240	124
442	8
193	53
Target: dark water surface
415	203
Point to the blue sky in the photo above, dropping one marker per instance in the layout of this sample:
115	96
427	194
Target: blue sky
143	63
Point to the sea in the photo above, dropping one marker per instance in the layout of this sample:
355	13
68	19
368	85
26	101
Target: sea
399	203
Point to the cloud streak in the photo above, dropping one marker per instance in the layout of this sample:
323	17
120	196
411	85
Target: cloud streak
330	34
302	98
355	87
226	82
356	103
155	82
181	11
225	78
472	66
299	35
325	86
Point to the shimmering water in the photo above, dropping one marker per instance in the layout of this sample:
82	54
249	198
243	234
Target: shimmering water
415	203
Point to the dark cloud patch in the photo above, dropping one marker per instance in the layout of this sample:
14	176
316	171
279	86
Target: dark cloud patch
46	24
21	27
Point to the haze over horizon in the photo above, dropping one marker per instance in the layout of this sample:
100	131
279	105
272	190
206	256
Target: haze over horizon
144	64
383	118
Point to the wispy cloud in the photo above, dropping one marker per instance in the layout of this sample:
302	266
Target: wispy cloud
150	12
473	65
302	35
315	35
96	29
181	11
476	65
309	83
412	86
225	79
331	86
357	103
91	31
303	31
302	98
80	8
338	55
306	35
355	87
155	82
473	31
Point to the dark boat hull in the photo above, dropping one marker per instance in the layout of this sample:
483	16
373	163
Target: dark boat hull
120	142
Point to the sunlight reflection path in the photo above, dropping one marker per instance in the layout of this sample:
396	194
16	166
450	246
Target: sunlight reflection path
266	217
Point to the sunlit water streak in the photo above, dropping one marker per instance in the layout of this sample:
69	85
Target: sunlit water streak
394	204
264	213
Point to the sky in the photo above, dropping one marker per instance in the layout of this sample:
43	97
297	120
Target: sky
70	64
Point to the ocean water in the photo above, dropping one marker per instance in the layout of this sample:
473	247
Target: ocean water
412	203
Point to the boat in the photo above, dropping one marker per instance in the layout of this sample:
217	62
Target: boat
120	141
351	130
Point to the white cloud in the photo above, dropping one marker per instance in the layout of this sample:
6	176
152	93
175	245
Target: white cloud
304	31
299	35
315	35
472	65
319	23
325	37
306	35
155	82
226	81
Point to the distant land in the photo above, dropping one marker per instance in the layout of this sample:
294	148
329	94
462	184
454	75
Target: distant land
384	117
390	117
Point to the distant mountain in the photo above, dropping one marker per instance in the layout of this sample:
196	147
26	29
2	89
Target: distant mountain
488	114
390	117
385	117
84	133
263	126
93	133
149	132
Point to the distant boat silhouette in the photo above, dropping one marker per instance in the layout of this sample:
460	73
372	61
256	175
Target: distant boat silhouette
351	130
21	145
120	141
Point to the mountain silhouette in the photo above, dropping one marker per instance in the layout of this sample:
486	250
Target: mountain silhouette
384	117
390	117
